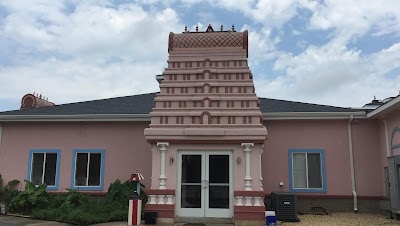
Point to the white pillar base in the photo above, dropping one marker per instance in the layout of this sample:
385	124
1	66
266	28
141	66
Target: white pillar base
247	184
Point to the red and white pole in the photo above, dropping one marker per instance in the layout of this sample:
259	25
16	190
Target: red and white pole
135	212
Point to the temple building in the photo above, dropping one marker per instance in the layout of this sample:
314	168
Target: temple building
210	149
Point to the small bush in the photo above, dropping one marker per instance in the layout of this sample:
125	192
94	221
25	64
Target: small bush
32	197
53	214
76	207
56	200
8	192
74	199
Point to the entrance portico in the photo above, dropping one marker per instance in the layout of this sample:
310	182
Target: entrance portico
206	132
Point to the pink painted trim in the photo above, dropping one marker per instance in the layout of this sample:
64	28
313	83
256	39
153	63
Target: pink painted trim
151	141
160	192
249	213
307	196
249	193
163	211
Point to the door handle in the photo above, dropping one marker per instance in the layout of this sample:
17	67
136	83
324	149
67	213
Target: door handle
204	183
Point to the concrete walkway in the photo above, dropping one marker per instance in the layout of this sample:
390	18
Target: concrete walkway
30	222
20	221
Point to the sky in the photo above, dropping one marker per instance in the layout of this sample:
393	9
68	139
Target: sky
334	52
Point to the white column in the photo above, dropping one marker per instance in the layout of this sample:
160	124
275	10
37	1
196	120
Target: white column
169	199
239	200
247	178
257	201
248	201
261	178
163	178
161	199
152	199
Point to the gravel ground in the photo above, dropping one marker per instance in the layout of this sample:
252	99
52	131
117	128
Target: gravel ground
343	219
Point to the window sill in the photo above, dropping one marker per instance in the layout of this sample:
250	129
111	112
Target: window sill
52	188
87	188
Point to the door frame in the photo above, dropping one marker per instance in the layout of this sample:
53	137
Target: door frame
204	211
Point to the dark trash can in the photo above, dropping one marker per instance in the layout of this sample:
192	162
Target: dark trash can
150	217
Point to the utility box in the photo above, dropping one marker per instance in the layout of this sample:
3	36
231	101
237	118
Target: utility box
284	204
150	217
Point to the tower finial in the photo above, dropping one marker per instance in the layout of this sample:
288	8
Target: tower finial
209	28
233	27
222	27
197	28
185	28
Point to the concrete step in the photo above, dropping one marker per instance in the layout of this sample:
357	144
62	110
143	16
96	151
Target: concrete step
205	220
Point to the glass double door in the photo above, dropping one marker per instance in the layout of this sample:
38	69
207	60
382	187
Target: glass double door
205	184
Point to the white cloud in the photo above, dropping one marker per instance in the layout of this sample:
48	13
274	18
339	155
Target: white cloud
334	75
353	19
70	81
78	50
114	50
94	31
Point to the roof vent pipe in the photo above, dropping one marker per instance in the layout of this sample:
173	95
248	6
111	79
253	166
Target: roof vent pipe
353	178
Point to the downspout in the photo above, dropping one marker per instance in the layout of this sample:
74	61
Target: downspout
353	178
389	150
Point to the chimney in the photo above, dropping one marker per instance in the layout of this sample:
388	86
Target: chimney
35	101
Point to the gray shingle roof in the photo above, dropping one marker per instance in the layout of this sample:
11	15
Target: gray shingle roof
136	104
143	104
268	105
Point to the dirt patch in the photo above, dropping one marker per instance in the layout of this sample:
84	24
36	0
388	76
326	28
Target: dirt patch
343	219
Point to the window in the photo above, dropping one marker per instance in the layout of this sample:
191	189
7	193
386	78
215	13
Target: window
44	167
87	169
307	170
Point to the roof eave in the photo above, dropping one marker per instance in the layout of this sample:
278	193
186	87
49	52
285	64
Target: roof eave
312	115
146	117
72	118
384	107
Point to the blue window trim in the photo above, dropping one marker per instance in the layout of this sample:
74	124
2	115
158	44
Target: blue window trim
58	152
323	175
88	188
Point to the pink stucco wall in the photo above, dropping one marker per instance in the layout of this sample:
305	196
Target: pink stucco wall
126	149
367	162
332	136
123	140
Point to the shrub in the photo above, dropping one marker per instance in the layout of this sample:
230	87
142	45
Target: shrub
76	207
8	192
53	214
56	200
74	199
32	197
122	192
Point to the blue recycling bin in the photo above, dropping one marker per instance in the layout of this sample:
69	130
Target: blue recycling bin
270	218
